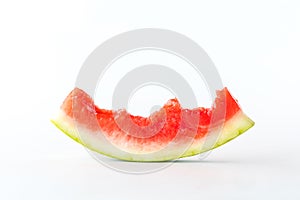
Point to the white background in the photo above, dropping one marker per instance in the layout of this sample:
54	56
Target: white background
254	44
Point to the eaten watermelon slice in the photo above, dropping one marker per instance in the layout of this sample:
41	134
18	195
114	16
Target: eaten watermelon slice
172	132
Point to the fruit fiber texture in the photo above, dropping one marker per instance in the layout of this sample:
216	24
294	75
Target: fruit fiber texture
170	133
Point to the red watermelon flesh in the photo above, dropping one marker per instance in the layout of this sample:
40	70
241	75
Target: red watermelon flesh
167	134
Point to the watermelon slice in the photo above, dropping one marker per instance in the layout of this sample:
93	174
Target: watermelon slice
170	133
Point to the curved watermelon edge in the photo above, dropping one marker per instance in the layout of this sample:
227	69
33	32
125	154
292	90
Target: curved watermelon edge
68	133
232	128
73	135
239	127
